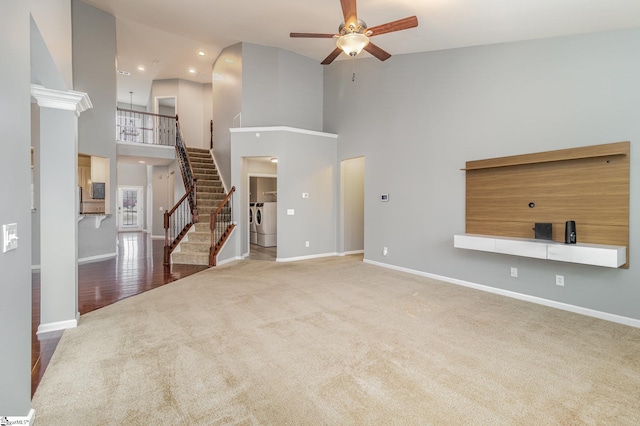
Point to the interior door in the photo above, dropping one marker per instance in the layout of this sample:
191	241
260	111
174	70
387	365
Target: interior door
130	211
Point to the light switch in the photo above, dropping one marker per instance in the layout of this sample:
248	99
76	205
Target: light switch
291	212
10	237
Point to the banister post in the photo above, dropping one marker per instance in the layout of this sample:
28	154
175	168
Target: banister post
167	253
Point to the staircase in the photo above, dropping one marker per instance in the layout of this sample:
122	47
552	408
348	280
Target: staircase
194	247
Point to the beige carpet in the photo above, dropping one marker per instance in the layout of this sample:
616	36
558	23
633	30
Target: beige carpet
335	341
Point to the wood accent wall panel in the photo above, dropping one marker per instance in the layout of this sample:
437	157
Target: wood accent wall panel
589	185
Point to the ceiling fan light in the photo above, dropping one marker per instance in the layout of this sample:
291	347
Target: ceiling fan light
352	43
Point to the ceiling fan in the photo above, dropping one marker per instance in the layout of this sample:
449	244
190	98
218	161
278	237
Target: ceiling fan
353	35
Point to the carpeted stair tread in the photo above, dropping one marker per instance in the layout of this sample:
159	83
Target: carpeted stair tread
194	248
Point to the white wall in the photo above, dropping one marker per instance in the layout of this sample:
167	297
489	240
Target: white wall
432	112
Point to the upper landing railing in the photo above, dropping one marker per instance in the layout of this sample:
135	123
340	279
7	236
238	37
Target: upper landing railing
145	127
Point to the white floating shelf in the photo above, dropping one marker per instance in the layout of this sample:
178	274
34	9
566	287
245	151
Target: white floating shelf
587	254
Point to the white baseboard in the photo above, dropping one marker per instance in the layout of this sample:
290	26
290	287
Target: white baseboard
59	325
348	253
313	256
20	420
97	258
157	237
632	322
233	259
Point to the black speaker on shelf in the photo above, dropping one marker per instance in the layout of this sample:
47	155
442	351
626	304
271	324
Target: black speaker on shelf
570	232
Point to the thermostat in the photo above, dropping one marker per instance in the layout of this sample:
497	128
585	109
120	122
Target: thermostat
384	197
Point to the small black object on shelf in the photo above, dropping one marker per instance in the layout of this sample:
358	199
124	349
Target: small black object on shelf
543	231
570	232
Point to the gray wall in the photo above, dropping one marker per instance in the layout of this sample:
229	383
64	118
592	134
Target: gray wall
306	163
15	291
227	104
270	87
190	98
35	214
160	199
94	72
422	116
280	88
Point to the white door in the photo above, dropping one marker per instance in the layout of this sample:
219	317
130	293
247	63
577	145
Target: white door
130	211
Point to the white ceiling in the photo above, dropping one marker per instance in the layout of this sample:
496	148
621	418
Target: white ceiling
172	31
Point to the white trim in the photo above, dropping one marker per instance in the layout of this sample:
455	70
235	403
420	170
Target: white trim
58	325
35	267
97	258
137	144
347	253
632	322
232	259
313	256
282	129
31	416
157	237
69	100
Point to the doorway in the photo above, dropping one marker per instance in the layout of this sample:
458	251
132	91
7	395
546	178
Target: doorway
352	178
130	211
262	180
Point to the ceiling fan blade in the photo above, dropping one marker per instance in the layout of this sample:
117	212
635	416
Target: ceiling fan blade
400	24
377	52
333	55
311	35
349	12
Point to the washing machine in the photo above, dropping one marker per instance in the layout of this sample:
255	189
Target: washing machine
266	224
253	235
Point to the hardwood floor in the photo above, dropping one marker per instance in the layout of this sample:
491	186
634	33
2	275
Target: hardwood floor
137	268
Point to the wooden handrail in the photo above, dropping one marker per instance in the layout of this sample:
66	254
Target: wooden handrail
215	246
224	202
181	200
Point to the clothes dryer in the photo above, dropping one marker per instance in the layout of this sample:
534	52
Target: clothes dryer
266	224
253	235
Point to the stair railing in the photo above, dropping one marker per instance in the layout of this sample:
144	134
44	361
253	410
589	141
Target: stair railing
221	225
145	127
184	214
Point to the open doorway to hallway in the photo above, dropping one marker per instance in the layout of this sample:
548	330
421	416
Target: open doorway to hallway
351	238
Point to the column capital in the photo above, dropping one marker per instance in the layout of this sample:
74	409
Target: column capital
61	99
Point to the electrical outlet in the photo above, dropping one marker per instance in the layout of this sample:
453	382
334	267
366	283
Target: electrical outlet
306	244
514	272
560	280
385	251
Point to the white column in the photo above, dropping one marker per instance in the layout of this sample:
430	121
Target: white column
59	111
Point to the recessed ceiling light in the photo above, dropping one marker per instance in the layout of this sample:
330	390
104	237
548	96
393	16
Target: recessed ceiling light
121	72
140	68
192	71
201	53
141	162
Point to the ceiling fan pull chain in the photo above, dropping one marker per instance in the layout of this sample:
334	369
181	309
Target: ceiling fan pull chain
353	77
